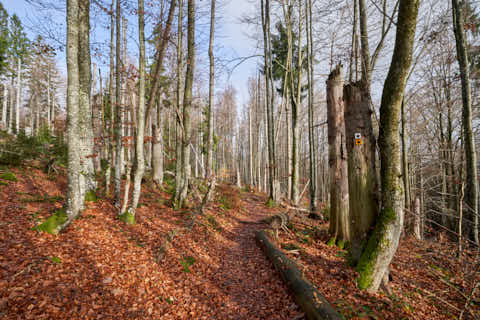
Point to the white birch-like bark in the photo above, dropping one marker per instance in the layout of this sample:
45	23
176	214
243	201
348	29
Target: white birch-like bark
12	108
5	105
19	94
49	119
139	145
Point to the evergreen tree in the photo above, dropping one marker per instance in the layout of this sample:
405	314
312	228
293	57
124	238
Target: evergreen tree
4	38
19	43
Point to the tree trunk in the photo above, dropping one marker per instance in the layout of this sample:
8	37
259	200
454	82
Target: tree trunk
305	294
365	49
311	133
362	174
79	129
19	95
182	189
471	190
110	136
383	243
187	101
179	172
75	180
211	97
417	230
5	104
269	97
37	116
48	102
337	159
139	145
405	175
118	111
12	107
157	153
250	148
296	104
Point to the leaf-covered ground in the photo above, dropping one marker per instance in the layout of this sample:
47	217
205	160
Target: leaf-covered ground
100	268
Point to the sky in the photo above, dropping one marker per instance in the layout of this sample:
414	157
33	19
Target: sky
231	40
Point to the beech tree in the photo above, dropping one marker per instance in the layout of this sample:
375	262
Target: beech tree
81	184
185	167
471	190
383	242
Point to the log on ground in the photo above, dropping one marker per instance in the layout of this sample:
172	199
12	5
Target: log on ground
307	297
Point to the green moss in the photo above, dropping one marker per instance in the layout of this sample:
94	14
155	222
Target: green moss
271	203
39	198
225	203
9	176
91	196
331	242
55	259
376	242
127	217
3	183
187	262
213	222
341	244
53	223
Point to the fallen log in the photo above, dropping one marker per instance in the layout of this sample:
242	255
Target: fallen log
307	297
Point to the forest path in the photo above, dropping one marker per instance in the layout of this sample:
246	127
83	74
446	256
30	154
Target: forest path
253	289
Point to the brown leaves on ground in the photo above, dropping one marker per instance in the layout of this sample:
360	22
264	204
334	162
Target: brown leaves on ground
428	281
100	268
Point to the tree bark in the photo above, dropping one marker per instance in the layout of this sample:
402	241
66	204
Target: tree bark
5	105
383	243
179	173
12	107
405	175
362	174
19	94
308	298
157	152
85	68
118	110
139	145
110	136
296	104
75	181
337	159
79	129
187	103
471	186
269	98
417	230
311	132
211	97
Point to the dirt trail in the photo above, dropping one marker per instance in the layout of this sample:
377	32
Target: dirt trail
250	283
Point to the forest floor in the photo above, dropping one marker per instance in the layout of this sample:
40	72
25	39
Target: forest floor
100	268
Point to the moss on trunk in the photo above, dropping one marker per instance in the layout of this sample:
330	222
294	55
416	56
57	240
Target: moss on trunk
91	196
54	223
377	242
127	217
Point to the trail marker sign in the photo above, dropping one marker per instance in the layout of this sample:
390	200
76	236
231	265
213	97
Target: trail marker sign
358	139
